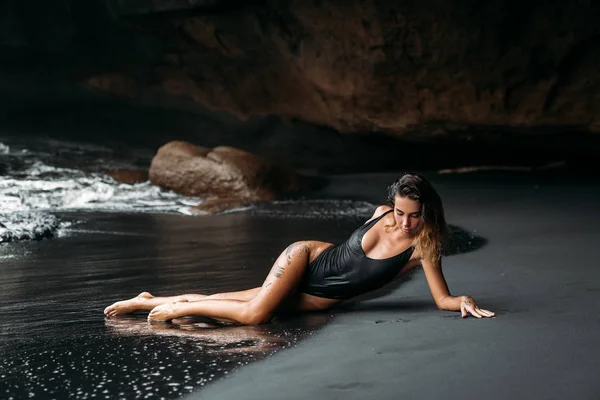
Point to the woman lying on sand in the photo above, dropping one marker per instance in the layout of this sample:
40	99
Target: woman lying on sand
313	275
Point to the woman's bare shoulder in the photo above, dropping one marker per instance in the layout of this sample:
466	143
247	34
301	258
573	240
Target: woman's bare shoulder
380	210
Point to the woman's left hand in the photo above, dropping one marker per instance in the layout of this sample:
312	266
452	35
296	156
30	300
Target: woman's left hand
468	306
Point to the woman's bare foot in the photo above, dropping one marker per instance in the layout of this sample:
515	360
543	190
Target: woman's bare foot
140	302
164	312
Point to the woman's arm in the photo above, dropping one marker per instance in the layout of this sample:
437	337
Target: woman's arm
442	297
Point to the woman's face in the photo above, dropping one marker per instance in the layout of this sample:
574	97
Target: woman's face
408	215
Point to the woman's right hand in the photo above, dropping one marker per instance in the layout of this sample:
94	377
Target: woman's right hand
469	306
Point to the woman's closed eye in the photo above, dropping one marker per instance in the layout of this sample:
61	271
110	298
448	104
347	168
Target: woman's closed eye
414	215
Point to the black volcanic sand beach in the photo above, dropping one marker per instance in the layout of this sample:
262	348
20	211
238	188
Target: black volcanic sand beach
523	246
538	270
56	343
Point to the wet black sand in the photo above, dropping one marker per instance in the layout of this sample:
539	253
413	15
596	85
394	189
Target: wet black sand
56	343
538	270
528	253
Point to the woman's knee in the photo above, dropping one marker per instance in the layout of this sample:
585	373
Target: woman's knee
301	248
298	244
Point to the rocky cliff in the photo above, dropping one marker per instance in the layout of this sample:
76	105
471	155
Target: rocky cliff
414	69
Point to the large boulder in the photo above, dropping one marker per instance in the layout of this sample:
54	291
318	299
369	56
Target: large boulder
222	173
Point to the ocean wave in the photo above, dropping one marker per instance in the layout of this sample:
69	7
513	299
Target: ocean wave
32	180
29	226
100	193
40	178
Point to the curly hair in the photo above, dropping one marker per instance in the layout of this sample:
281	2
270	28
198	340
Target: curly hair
432	236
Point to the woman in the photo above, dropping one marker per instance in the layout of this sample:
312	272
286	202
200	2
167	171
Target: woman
313	275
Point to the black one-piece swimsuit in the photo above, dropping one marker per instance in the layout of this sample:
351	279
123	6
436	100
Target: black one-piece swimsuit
344	271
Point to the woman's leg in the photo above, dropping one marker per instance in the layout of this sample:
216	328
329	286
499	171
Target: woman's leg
145	301
282	281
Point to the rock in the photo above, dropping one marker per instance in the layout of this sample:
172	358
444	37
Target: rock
113	83
492	73
393	67
129	177
222	173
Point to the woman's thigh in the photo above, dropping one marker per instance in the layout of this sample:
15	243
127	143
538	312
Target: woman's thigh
287	272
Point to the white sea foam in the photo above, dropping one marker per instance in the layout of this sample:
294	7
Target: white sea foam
4	149
27	226
85	193
32	189
51	176
38	186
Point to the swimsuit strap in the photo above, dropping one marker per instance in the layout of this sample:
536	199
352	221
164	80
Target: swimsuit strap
374	221
369	225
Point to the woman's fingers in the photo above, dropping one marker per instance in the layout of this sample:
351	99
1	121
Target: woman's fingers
486	313
479	313
466	310
474	312
468	306
463	312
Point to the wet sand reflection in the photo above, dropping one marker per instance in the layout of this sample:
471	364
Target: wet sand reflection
220	338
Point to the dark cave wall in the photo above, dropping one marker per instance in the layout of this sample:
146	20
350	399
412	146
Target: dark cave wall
356	66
